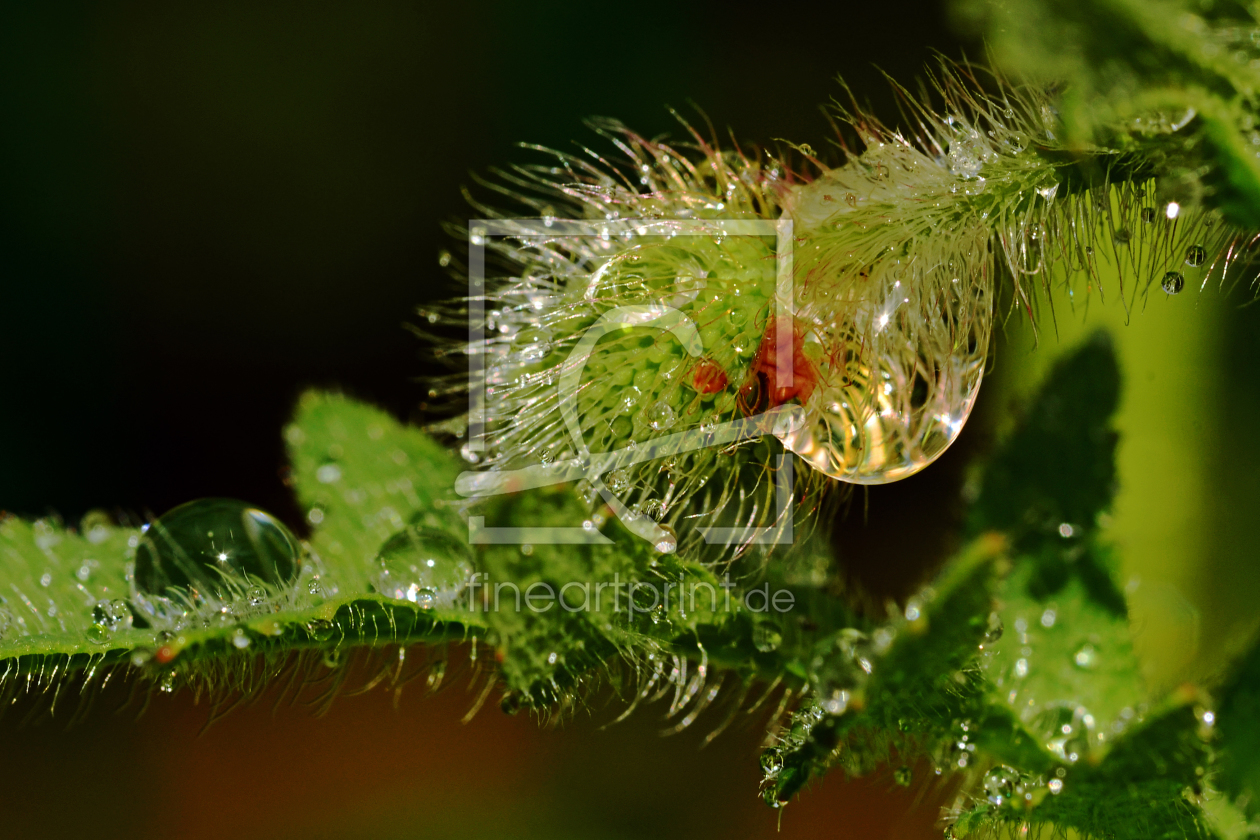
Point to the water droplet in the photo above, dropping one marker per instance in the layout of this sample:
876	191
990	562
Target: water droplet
332	658
45	579
217	548
1048	193
328	474
668	543
321	629
903	776
424	566
766	637
1196	255
1048	617
1149	215
836	701
1000	784
444	258
771	762
1121	236
533	344
111	615
1086	657
240	639
98	634
897	408
659	416
617	480
256	595
167	683
993	631
1056	786
1173	282
313	587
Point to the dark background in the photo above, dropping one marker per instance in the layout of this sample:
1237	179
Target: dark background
205	209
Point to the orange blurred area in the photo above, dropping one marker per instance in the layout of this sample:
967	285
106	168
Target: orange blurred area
371	768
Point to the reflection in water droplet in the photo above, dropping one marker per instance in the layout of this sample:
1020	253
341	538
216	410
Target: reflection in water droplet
1148	215
1173	282
425	566
220	549
321	629
1196	255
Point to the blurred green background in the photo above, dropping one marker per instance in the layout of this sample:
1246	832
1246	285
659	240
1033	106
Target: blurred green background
210	207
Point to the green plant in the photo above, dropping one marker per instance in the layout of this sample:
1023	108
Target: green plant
1012	670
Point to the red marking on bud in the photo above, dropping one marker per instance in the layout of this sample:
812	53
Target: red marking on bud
708	377
165	654
762	389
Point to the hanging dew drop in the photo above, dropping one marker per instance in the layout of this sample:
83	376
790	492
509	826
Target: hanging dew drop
1173	282
668	543
1196	255
212	549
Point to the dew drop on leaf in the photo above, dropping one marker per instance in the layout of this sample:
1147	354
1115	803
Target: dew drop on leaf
221	548
321	629
1000	784
425	566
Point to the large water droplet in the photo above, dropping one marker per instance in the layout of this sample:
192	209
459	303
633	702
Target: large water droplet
889	420
425	566
214	548
1196	255
1173	282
